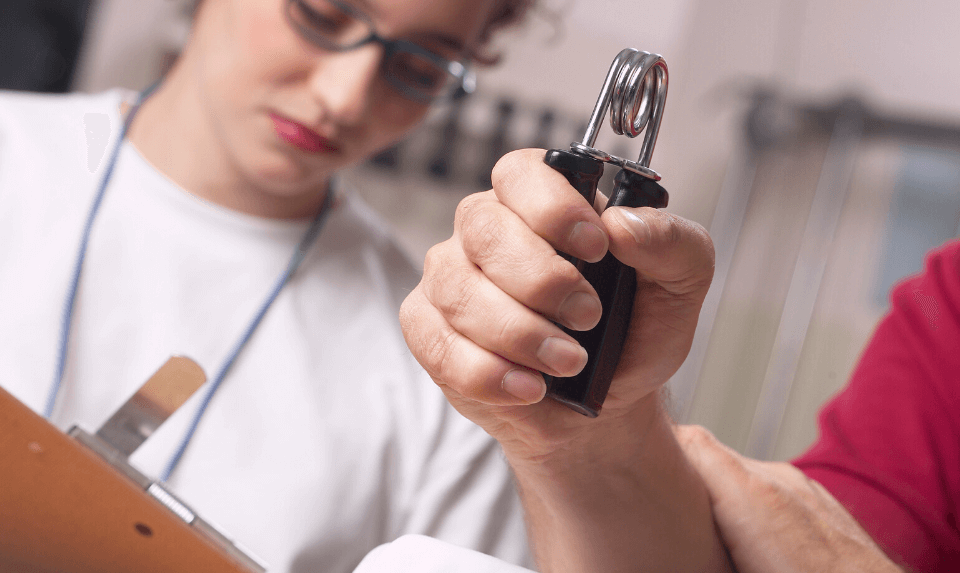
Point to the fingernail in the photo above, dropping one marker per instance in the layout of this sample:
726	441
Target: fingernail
524	385
635	226
591	242
580	311
563	357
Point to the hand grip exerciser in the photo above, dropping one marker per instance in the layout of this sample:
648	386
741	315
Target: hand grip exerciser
635	91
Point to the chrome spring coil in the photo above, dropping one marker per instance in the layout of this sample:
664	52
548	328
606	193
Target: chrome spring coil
635	92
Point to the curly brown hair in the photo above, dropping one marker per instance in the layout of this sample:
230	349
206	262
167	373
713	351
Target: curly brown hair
506	14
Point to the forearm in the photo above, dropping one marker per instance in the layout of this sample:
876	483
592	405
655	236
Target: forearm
608	494
621	504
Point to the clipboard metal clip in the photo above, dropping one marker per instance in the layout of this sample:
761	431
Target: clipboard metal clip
135	421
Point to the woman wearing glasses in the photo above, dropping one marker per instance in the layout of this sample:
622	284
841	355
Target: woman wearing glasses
204	219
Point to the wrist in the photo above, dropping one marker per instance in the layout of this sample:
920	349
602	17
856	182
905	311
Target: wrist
578	446
618	496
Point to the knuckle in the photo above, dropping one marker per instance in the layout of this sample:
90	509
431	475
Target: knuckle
704	236
696	435
482	235
408	316
774	494
465	209
686	255
698	237
765	487
547	279
513	333
428	346
700	441
438	265
671	230
804	488
456	293
507	328
436	353
433	260
563	272
507	168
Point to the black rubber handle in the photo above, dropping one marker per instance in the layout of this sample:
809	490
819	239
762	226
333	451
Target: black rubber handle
582	172
616	285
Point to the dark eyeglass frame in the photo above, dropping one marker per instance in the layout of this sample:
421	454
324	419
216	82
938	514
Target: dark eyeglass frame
461	80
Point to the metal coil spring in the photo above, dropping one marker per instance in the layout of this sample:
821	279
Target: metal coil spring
635	92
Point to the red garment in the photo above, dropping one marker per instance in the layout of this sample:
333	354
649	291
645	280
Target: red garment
889	446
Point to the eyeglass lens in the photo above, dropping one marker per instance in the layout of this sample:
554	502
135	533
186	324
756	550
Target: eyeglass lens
414	70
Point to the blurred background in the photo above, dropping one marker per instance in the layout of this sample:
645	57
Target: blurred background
817	140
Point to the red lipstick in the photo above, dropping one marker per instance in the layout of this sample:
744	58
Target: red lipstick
301	136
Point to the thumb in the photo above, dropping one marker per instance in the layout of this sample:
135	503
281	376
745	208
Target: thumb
663	247
723	470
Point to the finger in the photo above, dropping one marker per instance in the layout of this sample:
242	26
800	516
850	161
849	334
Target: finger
460	366
667	249
741	487
519	262
476	308
548	204
772	518
727	477
726	473
673	259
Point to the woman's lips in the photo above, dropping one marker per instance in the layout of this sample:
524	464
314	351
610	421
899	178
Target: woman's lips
301	136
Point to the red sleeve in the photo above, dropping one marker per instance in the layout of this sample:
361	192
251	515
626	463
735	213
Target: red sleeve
889	445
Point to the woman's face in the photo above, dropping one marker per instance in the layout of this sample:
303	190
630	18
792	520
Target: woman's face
287	113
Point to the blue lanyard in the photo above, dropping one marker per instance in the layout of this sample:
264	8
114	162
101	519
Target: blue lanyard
67	318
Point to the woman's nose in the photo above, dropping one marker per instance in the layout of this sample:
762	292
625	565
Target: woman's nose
344	82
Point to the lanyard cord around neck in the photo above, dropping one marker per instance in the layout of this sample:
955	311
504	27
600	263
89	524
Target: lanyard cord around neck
67	319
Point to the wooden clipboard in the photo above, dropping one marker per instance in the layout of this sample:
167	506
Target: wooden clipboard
64	508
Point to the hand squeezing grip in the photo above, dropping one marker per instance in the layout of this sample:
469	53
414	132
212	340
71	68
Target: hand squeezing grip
642	77
615	283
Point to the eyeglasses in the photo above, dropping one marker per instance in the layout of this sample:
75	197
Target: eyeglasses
414	71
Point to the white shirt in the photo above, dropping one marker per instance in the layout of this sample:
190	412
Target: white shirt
419	554
326	439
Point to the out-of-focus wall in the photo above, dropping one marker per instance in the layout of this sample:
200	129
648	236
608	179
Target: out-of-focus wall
127	44
898	56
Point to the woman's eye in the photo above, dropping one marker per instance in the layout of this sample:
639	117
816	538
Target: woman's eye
322	17
418	72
